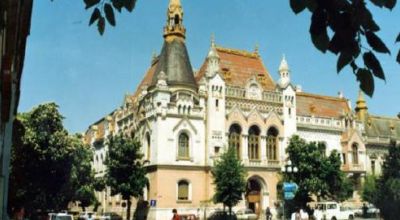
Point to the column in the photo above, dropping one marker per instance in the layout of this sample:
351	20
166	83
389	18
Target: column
245	152
263	145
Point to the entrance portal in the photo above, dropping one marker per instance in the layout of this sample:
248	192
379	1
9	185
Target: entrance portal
253	195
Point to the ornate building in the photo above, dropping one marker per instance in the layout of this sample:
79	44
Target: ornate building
185	120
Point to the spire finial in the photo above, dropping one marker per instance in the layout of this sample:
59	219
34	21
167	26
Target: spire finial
283	67
256	48
212	40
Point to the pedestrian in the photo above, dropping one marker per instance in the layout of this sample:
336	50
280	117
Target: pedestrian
268	214
176	216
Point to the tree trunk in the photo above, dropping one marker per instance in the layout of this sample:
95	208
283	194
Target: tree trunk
128	209
230	212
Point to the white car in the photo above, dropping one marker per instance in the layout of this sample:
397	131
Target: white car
331	211
60	216
246	214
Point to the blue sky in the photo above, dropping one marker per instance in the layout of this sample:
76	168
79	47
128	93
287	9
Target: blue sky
87	75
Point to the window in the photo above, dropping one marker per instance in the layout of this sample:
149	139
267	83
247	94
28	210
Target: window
216	150
290	112
354	148
183	190
216	103
272	144
254	139
176	20
183	148
322	148
373	167
148	145
344	158
234	138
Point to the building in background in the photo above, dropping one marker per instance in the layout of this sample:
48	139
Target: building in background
185	120
15	19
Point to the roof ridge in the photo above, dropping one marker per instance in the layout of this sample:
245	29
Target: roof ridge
322	96
238	52
383	117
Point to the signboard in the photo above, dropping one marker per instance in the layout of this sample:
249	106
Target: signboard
290	187
153	203
288	195
289	190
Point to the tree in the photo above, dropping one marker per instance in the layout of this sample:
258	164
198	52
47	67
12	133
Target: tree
229	179
369	190
41	161
82	175
49	168
388	192
317	174
125	173
342	27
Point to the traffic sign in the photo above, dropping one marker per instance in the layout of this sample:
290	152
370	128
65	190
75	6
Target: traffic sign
290	187
289	195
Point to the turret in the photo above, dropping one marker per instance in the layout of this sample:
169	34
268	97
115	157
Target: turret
284	73
361	107
212	59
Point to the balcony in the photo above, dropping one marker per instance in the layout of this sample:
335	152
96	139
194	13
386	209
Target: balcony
262	163
353	167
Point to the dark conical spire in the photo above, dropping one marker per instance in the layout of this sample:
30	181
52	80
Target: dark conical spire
174	59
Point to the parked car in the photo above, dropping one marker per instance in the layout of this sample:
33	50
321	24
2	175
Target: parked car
221	215
60	216
246	214
332	211
88	216
110	216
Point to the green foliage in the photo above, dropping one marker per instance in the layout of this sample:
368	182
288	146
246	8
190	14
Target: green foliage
342	27
317	174
125	172
82	175
369	190
104	10
229	179
388	186
48	167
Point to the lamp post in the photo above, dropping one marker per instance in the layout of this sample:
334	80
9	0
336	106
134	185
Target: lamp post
289	169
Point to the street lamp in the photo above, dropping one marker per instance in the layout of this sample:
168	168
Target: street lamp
289	169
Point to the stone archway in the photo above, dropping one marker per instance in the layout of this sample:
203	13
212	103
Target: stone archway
256	194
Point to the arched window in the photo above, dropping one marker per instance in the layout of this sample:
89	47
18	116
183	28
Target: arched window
354	149
183	190
272	144
148	145
254	142
234	139
183	148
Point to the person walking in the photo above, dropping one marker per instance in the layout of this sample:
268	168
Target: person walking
175	215
268	214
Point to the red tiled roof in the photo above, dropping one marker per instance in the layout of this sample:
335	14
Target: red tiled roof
146	81
238	67
321	106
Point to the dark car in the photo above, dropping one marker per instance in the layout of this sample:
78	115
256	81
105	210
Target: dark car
221	215
110	216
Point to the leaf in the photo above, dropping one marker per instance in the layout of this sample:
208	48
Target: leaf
108	10
90	3
297	5
101	24
344	59
312	5
371	62
130	5
398	38
366	80
118	4
95	15
390	4
319	34
378	3
398	57
376	43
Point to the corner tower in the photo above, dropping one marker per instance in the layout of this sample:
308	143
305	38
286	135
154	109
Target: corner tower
361	107
174	59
